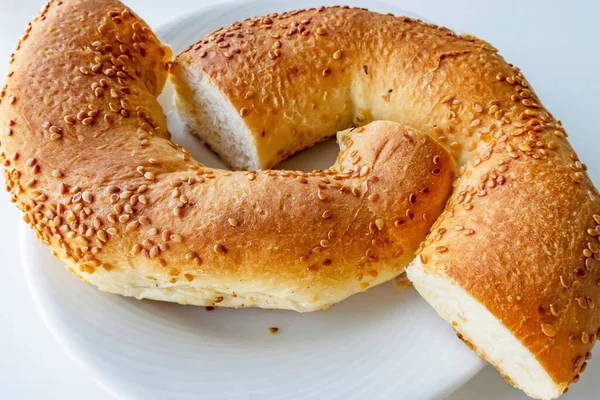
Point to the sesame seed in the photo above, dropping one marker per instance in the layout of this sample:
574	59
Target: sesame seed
273	329
548	330
373	197
102	236
219	249
326	72
327	214
132	226
412	198
154	252
87	197
244	112
251	176
379	223
321	31
322	195
524	147
337	55
136	249
468	232
441	249
149	175
324	243
585	339
233	221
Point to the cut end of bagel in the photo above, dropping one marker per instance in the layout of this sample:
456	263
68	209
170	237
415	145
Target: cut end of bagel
208	114
484	333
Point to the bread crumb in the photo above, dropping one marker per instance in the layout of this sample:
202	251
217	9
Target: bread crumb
402	282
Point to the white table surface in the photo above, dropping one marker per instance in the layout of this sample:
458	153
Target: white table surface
557	46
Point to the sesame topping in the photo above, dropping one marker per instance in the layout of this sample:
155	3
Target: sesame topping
327	214
273	330
233	221
548	330
219	249
132	226
87	197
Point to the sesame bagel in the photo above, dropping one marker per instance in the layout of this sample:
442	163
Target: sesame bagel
512	263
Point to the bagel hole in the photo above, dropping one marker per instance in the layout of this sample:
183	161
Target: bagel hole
321	156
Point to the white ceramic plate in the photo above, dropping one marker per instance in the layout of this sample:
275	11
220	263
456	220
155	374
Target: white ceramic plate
381	344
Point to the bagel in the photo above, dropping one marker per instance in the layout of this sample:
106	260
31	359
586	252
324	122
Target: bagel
512	263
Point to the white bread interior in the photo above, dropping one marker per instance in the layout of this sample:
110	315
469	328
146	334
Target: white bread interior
484	332
208	114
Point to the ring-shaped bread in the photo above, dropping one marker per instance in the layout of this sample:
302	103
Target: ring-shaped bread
512	262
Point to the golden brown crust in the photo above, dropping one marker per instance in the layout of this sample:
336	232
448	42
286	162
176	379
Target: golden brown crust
89	162
520	233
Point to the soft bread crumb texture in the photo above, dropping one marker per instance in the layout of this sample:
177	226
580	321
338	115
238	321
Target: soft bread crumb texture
484	333
209	115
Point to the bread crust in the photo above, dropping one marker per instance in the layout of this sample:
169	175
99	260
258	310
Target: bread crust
520	232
